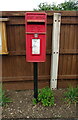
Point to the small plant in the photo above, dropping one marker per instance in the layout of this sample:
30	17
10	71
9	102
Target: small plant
45	96
34	101
3	98
71	95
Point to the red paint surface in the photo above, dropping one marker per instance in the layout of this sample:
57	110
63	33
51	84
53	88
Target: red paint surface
35	23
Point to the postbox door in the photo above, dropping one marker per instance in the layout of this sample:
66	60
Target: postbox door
36	47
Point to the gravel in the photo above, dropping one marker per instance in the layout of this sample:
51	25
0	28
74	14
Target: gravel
22	106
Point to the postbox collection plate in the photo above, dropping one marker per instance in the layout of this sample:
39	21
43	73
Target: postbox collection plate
35	46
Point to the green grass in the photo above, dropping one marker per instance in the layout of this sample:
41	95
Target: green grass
71	95
4	99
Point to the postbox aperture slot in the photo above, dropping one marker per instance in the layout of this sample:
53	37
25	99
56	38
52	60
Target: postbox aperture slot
36	23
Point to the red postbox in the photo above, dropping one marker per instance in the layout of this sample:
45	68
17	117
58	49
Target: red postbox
35	36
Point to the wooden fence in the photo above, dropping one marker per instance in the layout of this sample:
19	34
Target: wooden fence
18	74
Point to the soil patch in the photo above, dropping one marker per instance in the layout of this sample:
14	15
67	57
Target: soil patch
22	106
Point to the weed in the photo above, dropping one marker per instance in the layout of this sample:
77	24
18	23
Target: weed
34	101
45	96
71	95
3	98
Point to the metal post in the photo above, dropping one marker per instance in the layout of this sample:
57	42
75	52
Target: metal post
35	80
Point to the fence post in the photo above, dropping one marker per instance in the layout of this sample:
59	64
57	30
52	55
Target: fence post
55	50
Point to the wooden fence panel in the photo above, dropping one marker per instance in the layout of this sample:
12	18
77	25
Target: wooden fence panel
18	74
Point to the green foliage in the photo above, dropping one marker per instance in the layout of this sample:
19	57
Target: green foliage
70	5
67	5
44	6
71	95
45	96
34	101
3	98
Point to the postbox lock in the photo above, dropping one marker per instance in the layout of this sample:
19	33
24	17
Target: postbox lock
36	35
